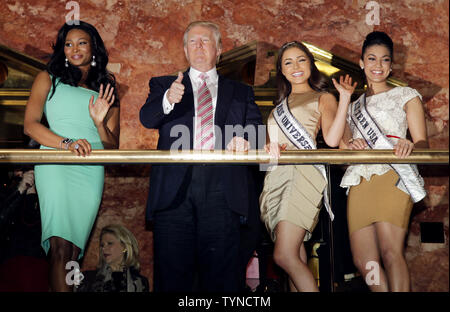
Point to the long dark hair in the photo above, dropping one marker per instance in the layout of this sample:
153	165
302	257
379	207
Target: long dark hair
72	75
316	81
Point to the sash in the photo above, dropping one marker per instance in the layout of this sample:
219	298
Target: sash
298	135
410	180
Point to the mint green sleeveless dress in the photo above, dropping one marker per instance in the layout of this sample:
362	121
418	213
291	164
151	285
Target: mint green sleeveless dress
69	195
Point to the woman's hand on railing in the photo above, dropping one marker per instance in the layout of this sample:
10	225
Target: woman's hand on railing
357	144
403	148
274	149
80	147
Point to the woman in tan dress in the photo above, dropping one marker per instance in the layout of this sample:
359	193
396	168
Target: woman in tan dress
379	204
292	194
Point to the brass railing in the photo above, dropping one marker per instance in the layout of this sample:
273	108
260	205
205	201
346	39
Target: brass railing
321	156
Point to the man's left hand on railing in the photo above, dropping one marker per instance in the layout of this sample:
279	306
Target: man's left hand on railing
238	144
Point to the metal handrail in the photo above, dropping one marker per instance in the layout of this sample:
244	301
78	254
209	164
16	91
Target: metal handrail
320	156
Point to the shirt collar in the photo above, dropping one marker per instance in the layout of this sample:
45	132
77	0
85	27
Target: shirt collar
195	74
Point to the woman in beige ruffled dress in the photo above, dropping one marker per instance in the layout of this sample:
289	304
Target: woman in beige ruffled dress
292	194
379	205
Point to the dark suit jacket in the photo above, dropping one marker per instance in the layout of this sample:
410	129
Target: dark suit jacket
235	106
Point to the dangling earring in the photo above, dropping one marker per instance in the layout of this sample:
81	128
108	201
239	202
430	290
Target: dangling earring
93	63
362	67
66	63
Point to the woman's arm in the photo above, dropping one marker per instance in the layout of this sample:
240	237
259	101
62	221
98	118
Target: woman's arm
333	118
273	148
415	117
33	113
109	129
346	138
105	117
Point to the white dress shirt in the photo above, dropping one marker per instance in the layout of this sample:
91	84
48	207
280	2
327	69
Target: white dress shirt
196	81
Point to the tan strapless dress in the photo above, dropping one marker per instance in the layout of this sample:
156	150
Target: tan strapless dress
294	192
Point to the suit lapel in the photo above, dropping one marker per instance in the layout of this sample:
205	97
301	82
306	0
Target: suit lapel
224	96
188	96
185	110
186	106
188	100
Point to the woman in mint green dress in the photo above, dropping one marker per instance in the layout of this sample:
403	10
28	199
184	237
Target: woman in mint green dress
79	99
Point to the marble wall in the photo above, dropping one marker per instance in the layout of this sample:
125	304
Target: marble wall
144	39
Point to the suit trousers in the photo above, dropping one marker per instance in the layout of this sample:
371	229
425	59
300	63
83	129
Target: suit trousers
196	239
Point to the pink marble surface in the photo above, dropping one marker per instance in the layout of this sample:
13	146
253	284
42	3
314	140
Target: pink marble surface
144	39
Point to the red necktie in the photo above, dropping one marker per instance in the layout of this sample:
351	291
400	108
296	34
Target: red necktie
204	138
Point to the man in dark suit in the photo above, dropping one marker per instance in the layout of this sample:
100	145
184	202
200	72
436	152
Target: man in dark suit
197	210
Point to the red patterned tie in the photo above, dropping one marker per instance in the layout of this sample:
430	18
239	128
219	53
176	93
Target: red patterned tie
204	138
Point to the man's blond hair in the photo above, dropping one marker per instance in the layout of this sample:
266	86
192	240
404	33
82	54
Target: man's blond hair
214	27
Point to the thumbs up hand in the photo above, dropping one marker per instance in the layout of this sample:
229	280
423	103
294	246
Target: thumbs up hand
176	90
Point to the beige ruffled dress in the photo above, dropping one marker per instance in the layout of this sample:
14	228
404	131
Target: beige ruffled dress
294	192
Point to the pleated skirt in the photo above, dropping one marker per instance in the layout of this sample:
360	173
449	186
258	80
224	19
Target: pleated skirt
292	193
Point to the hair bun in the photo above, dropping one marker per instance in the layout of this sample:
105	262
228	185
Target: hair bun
378	38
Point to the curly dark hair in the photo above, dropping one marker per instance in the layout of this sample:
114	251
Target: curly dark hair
316	81
72	75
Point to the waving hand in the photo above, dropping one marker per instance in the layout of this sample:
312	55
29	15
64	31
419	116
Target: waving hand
99	109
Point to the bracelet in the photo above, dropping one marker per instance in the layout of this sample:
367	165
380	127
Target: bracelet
66	142
351	141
